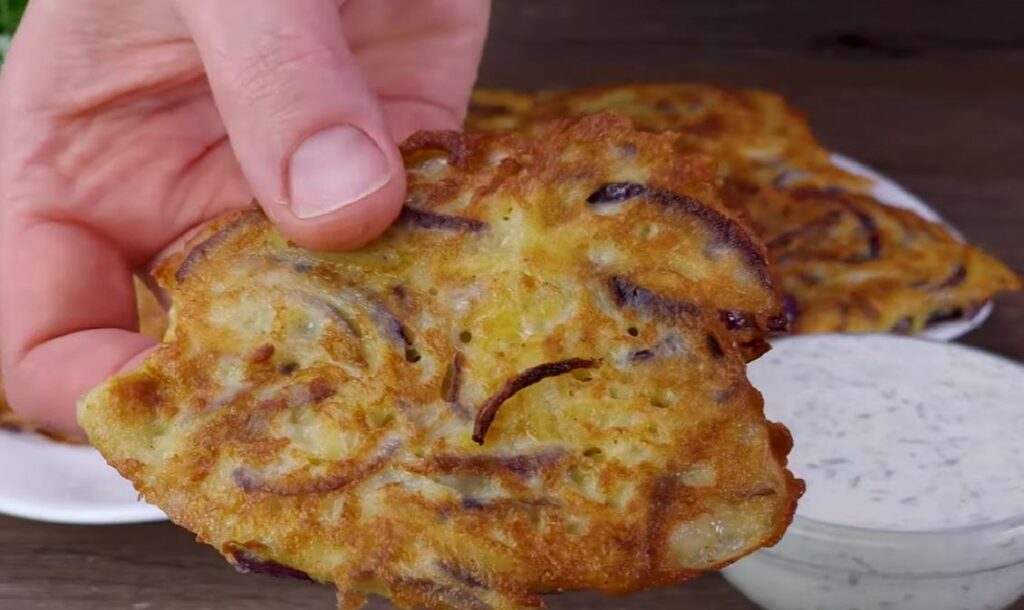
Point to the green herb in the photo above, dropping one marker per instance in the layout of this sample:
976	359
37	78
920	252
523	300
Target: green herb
10	15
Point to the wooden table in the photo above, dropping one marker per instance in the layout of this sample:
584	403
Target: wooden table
931	96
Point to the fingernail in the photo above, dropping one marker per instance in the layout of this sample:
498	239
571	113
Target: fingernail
334	168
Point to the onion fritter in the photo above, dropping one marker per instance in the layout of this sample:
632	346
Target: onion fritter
847	262
528	384
754	135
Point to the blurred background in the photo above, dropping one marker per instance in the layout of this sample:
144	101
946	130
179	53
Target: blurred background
10	15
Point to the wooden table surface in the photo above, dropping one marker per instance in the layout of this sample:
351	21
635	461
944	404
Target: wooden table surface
932	96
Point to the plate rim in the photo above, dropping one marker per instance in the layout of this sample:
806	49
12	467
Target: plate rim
61	511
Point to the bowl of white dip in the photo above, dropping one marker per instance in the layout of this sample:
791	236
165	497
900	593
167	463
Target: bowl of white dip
913	454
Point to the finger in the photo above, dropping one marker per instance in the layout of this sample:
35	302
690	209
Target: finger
307	130
60	337
421	66
85	196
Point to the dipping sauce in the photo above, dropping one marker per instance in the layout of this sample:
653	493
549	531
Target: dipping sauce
902	434
911	451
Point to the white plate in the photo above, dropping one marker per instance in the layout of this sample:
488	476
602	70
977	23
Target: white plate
888	192
48	481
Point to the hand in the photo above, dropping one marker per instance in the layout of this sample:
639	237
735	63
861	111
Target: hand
124	125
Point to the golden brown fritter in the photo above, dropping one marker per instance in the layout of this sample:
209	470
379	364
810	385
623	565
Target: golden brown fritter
152	317
754	135
526	385
778	177
848	263
152	323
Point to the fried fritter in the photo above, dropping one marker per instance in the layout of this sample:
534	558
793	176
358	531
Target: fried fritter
846	262
152	323
152	317
528	384
755	135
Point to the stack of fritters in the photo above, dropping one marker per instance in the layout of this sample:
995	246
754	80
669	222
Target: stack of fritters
534	381
845	261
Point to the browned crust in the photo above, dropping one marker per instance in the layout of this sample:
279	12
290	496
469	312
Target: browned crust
755	134
286	416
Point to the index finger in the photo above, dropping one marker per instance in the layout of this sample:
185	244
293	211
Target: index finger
68	318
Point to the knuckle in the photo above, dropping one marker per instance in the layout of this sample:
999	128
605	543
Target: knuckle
278	58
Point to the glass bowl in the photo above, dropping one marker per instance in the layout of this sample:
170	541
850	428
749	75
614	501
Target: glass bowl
823	566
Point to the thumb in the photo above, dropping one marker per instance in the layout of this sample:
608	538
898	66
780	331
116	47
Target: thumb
307	130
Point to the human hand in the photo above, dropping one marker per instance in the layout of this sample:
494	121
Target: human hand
123	126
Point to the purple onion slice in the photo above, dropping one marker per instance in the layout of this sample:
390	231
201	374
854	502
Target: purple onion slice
486	414
784	239
725	229
955	279
250	481
247	563
627	294
443	222
200	250
522	465
641	355
869	228
616	192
